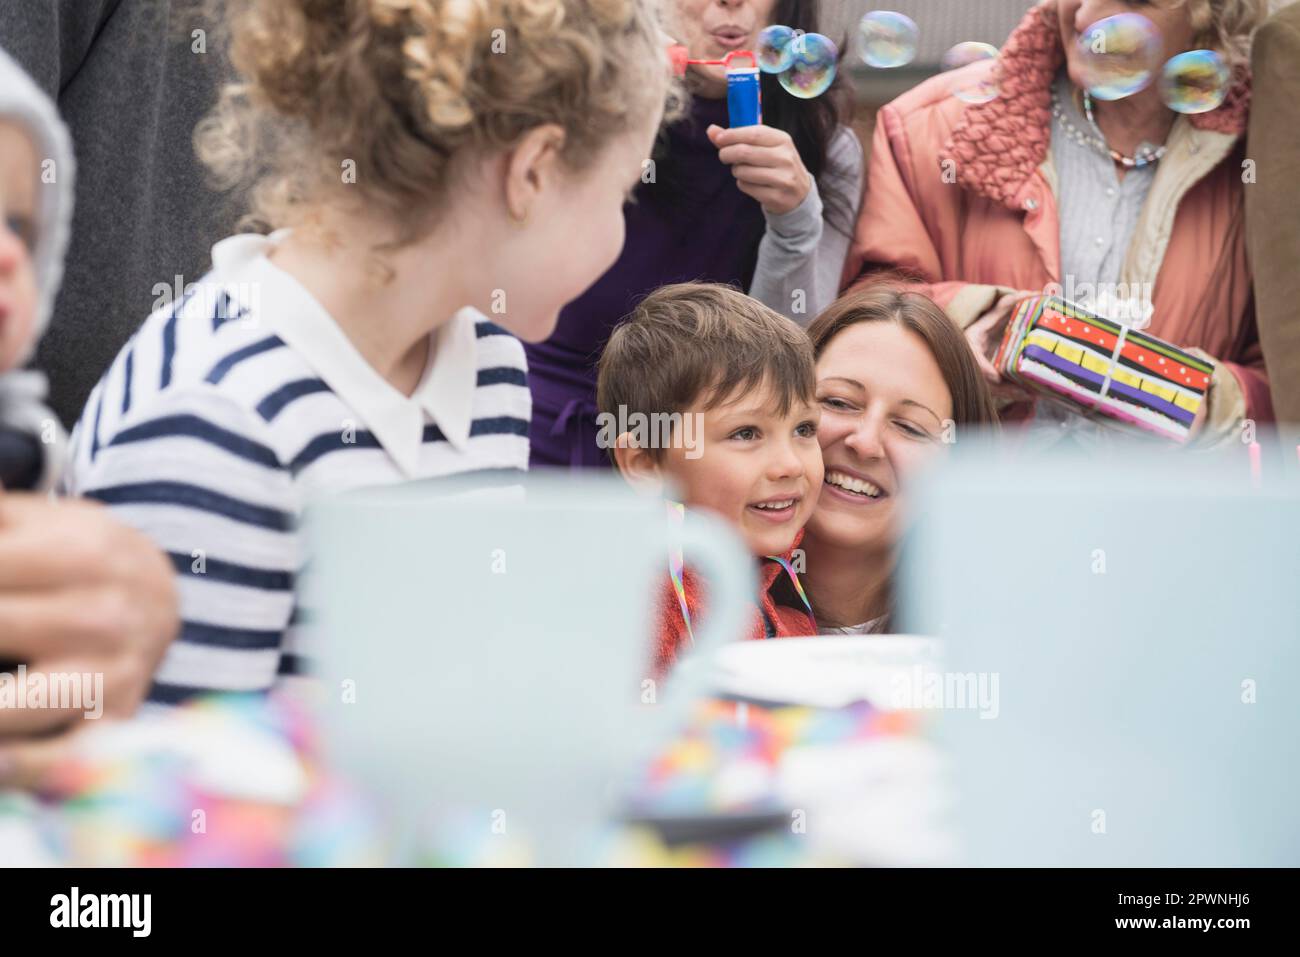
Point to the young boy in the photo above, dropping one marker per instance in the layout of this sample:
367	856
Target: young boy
35	215
735	381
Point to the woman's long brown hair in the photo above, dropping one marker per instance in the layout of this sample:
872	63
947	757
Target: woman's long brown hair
972	402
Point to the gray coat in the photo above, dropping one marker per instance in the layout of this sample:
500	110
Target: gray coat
131	79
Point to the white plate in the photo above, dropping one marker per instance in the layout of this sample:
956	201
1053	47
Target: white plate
825	672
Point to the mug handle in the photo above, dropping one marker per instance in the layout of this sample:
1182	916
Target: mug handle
711	547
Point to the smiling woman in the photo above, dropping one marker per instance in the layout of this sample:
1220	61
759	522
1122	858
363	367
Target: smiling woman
895	379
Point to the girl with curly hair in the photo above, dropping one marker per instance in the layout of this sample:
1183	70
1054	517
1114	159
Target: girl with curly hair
420	165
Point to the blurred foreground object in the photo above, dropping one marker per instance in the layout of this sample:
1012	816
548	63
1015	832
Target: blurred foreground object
1136	615
486	658
1273	205
226	781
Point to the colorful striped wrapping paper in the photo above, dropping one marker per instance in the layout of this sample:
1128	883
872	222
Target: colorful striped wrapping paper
1099	367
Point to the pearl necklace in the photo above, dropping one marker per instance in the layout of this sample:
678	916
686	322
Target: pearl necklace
1145	156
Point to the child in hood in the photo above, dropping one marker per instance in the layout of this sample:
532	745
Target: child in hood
36	170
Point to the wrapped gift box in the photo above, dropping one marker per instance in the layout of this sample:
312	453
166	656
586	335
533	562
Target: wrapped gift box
1102	368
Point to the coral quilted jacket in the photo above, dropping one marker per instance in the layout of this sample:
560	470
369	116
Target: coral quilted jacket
962	197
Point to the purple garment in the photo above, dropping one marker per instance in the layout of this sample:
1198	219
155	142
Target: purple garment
699	226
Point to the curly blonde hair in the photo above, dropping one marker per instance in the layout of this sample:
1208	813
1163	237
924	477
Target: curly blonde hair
1228	25
408	91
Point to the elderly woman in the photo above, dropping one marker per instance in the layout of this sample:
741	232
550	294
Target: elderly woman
988	202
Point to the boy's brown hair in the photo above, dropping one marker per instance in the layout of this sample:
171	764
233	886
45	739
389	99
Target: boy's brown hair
689	341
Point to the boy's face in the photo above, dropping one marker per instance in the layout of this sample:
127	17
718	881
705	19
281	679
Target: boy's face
760	471
18	296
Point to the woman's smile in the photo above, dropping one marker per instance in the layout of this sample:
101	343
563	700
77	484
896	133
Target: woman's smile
853	487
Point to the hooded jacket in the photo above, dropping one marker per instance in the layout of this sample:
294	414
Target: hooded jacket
22	392
963	197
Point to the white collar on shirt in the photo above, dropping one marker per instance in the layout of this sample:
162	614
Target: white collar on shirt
445	391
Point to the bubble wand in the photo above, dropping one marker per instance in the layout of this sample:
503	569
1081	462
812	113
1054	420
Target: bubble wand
744	93
806	64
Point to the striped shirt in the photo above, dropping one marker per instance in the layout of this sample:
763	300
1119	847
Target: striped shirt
231	410
1099	212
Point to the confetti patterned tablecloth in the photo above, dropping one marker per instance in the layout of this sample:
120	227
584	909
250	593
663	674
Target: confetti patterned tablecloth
237	781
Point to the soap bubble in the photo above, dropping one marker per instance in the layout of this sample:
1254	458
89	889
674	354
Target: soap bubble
773	52
888	39
967	90
1194	82
1120	55
963	54
813	68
